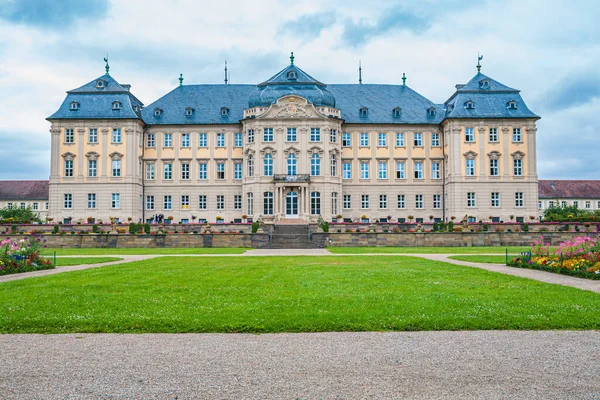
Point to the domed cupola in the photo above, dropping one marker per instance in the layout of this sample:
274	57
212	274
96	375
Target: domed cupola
291	80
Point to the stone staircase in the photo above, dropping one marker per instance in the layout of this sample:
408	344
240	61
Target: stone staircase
294	236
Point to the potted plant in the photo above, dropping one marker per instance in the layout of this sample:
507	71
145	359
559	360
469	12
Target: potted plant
219	219
532	217
364	218
511	217
193	218
431	218
244	218
410	218
453	218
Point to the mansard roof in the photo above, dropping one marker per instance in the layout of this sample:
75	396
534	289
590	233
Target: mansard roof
283	76
489	98
23	190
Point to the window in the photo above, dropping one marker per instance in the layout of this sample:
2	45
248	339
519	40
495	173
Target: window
22	206
91	200
383	201
315	203
167	202
493	167
157	112
563	203
250	135
291	164
469	105
9	206
347	201
220	140
382	139
397	112
168	140
418	201
202	202
436	170
220	170
46	205
364	112
333	162
93	135
251	165
346	141
493	137
435	140
382	170
575	204
237	140
267	134
291	75
418	170
185	171
291	135
418	139
237	171
250	200
116	168
315	165
116	105
268	165
364	170
470	199
115	200
588	205
334	203
35	206
116	135
518	167
437	201
150	202
224	111
189	112
511	105
150	169
92	168
74	106
333	135
237	201
100	84
168	171
346	170
185	140
69	136
151	140
68	167
517	135
400	139
401	201
315	134
400	170
364	139
203	171
268	203
519	199
68	200
495	199
364	201
202	140
185	202
551	203
470	167
431	112
469	135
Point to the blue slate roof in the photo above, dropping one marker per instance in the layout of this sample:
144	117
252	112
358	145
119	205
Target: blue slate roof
301	77
490	99
97	102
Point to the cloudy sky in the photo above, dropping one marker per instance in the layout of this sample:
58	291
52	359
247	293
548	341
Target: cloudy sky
549	50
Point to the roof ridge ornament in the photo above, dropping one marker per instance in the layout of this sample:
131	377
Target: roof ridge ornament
180	79
292	58
359	72
403	79
479	58
106	67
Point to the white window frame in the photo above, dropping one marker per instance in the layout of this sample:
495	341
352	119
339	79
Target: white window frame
400	139
364	139
291	135
115	201
91	200
401	201
203	140
470	135
92	135
471	200
116	135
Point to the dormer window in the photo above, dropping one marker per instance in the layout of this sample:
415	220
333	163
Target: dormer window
291	75
470	105
100	84
511	105
136	108
364	112
431	111
189	112
74	106
158	112
397	112
116	105
224	111
484	84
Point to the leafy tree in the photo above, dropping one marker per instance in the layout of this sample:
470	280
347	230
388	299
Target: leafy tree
18	215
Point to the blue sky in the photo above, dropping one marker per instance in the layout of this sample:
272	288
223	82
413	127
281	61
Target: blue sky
548	50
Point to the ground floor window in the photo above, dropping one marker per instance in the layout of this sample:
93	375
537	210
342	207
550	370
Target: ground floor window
268	203
250	199
149	202
220	202
237	202
315	203
347	203
115	200
334	203
437	201
202	202
418	201
383	201
401	201
364	201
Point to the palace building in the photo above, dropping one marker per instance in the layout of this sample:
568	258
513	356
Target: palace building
293	147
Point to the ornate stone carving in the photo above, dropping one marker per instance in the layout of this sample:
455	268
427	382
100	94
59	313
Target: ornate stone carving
105	131
470	155
115	156
202	161
518	155
69	156
291	109
92	155
531	130
268	150
291	150
81	130
315	150
494	155
505	130
55	131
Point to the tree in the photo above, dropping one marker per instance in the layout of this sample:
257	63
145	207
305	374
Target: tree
18	216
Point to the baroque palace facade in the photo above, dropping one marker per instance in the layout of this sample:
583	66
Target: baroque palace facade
293	147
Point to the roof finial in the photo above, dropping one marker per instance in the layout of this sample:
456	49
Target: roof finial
403	79
226	76
107	67
292	58
180	79
479	58
359	72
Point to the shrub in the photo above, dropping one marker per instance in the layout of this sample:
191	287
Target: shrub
325	226
525	227
485	228
132	228
94	228
451	226
436	227
147	228
255	226
55	229
442	226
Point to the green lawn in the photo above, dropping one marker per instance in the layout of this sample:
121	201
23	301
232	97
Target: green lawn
289	294
133	251
485	259
63	262
428	250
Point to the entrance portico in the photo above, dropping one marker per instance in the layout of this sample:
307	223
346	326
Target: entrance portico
291	201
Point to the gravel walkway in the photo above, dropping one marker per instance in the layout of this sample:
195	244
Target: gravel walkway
407	365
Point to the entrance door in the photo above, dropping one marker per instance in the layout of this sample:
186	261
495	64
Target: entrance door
291	204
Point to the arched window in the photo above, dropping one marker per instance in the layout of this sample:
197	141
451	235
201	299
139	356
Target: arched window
364	112
511	105
315	165
469	105
315	203
74	106
291	164
116	105
333	165
268	203
251	165
268	164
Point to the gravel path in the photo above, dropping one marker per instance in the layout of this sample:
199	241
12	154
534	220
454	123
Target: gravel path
407	365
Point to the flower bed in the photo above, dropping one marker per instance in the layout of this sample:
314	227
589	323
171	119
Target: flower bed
22	256
580	257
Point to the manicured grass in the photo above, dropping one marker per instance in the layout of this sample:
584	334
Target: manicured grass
133	251
485	259
428	250
289	294
63	262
